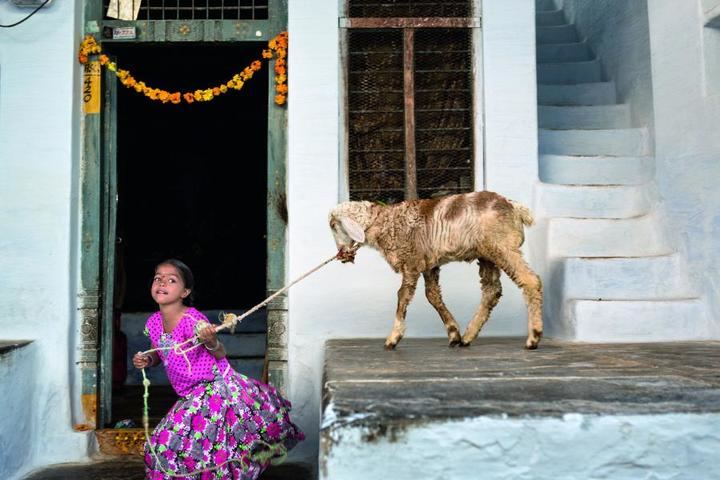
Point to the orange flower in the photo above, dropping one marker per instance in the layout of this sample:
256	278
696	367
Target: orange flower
82	58
256	65
280	99
104	59
279	69
283	88
267	53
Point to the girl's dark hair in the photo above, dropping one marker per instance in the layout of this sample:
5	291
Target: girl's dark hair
187	278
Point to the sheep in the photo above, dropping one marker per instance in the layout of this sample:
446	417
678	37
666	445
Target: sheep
419	236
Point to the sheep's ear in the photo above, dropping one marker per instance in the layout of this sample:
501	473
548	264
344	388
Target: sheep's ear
353	229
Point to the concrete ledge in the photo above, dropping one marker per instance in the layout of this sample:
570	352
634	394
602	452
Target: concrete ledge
10	345
564	411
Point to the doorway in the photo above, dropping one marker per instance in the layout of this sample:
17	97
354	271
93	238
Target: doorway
192	185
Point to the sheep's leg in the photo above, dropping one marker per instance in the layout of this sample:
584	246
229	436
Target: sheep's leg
405	295
432	292
514	265
491	293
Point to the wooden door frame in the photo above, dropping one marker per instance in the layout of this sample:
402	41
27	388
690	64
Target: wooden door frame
98	182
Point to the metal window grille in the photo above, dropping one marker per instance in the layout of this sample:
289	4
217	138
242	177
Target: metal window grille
409	8
410	116
200	9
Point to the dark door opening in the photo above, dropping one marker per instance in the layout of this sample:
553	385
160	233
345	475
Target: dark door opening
192	184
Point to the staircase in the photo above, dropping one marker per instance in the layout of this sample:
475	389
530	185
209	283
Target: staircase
614	275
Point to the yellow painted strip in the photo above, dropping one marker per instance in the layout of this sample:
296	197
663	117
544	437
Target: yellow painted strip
91	88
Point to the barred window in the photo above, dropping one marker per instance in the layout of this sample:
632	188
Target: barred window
409	100
195	9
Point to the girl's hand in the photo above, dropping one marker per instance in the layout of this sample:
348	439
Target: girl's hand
208	336
141	360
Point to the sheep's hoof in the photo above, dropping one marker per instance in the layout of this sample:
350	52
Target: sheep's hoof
531	345
390	346
454	342
463	343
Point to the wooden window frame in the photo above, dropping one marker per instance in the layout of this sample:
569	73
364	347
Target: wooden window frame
408	25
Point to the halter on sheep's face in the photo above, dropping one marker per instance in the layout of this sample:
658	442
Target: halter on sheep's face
348	235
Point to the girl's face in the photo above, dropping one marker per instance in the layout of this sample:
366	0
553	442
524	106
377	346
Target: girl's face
168	286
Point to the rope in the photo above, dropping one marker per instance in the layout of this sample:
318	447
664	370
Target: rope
230	321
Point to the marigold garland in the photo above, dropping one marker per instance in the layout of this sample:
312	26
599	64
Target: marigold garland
277	48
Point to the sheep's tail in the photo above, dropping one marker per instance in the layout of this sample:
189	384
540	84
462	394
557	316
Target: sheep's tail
523	213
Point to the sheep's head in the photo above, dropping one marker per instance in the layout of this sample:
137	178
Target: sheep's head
348	222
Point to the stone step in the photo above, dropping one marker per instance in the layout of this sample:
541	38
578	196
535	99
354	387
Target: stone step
584	117
570	73
606	201
516	414
556	34
564	52
589	237
596	170
545	5
546	18
663	277
615	142
637	321
601	93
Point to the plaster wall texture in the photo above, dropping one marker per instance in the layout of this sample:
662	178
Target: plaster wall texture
687	145
39	82
16	431
358	300
566	448
617	31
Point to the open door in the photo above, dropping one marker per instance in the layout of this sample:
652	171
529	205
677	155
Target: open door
109	201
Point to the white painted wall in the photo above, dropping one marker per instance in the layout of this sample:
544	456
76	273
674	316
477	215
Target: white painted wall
570	447
38	154
687	143
17	430
359	300
617	31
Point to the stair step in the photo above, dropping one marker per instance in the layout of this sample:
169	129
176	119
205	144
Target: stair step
596	170
601	93
590	237
638	321
661	277
581	201
564	52
556	34
544	5
569	73
616	142
584	117
547	18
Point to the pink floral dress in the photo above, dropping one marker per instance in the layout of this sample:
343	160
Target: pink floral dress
223	418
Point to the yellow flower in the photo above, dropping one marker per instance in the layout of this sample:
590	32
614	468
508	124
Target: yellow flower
280	78
223	88
198	95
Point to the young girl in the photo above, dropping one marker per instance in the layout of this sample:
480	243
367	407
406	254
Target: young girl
222	418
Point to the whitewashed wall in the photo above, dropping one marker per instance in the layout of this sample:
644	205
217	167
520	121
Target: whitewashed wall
617	31
687	139
38	198
359	300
